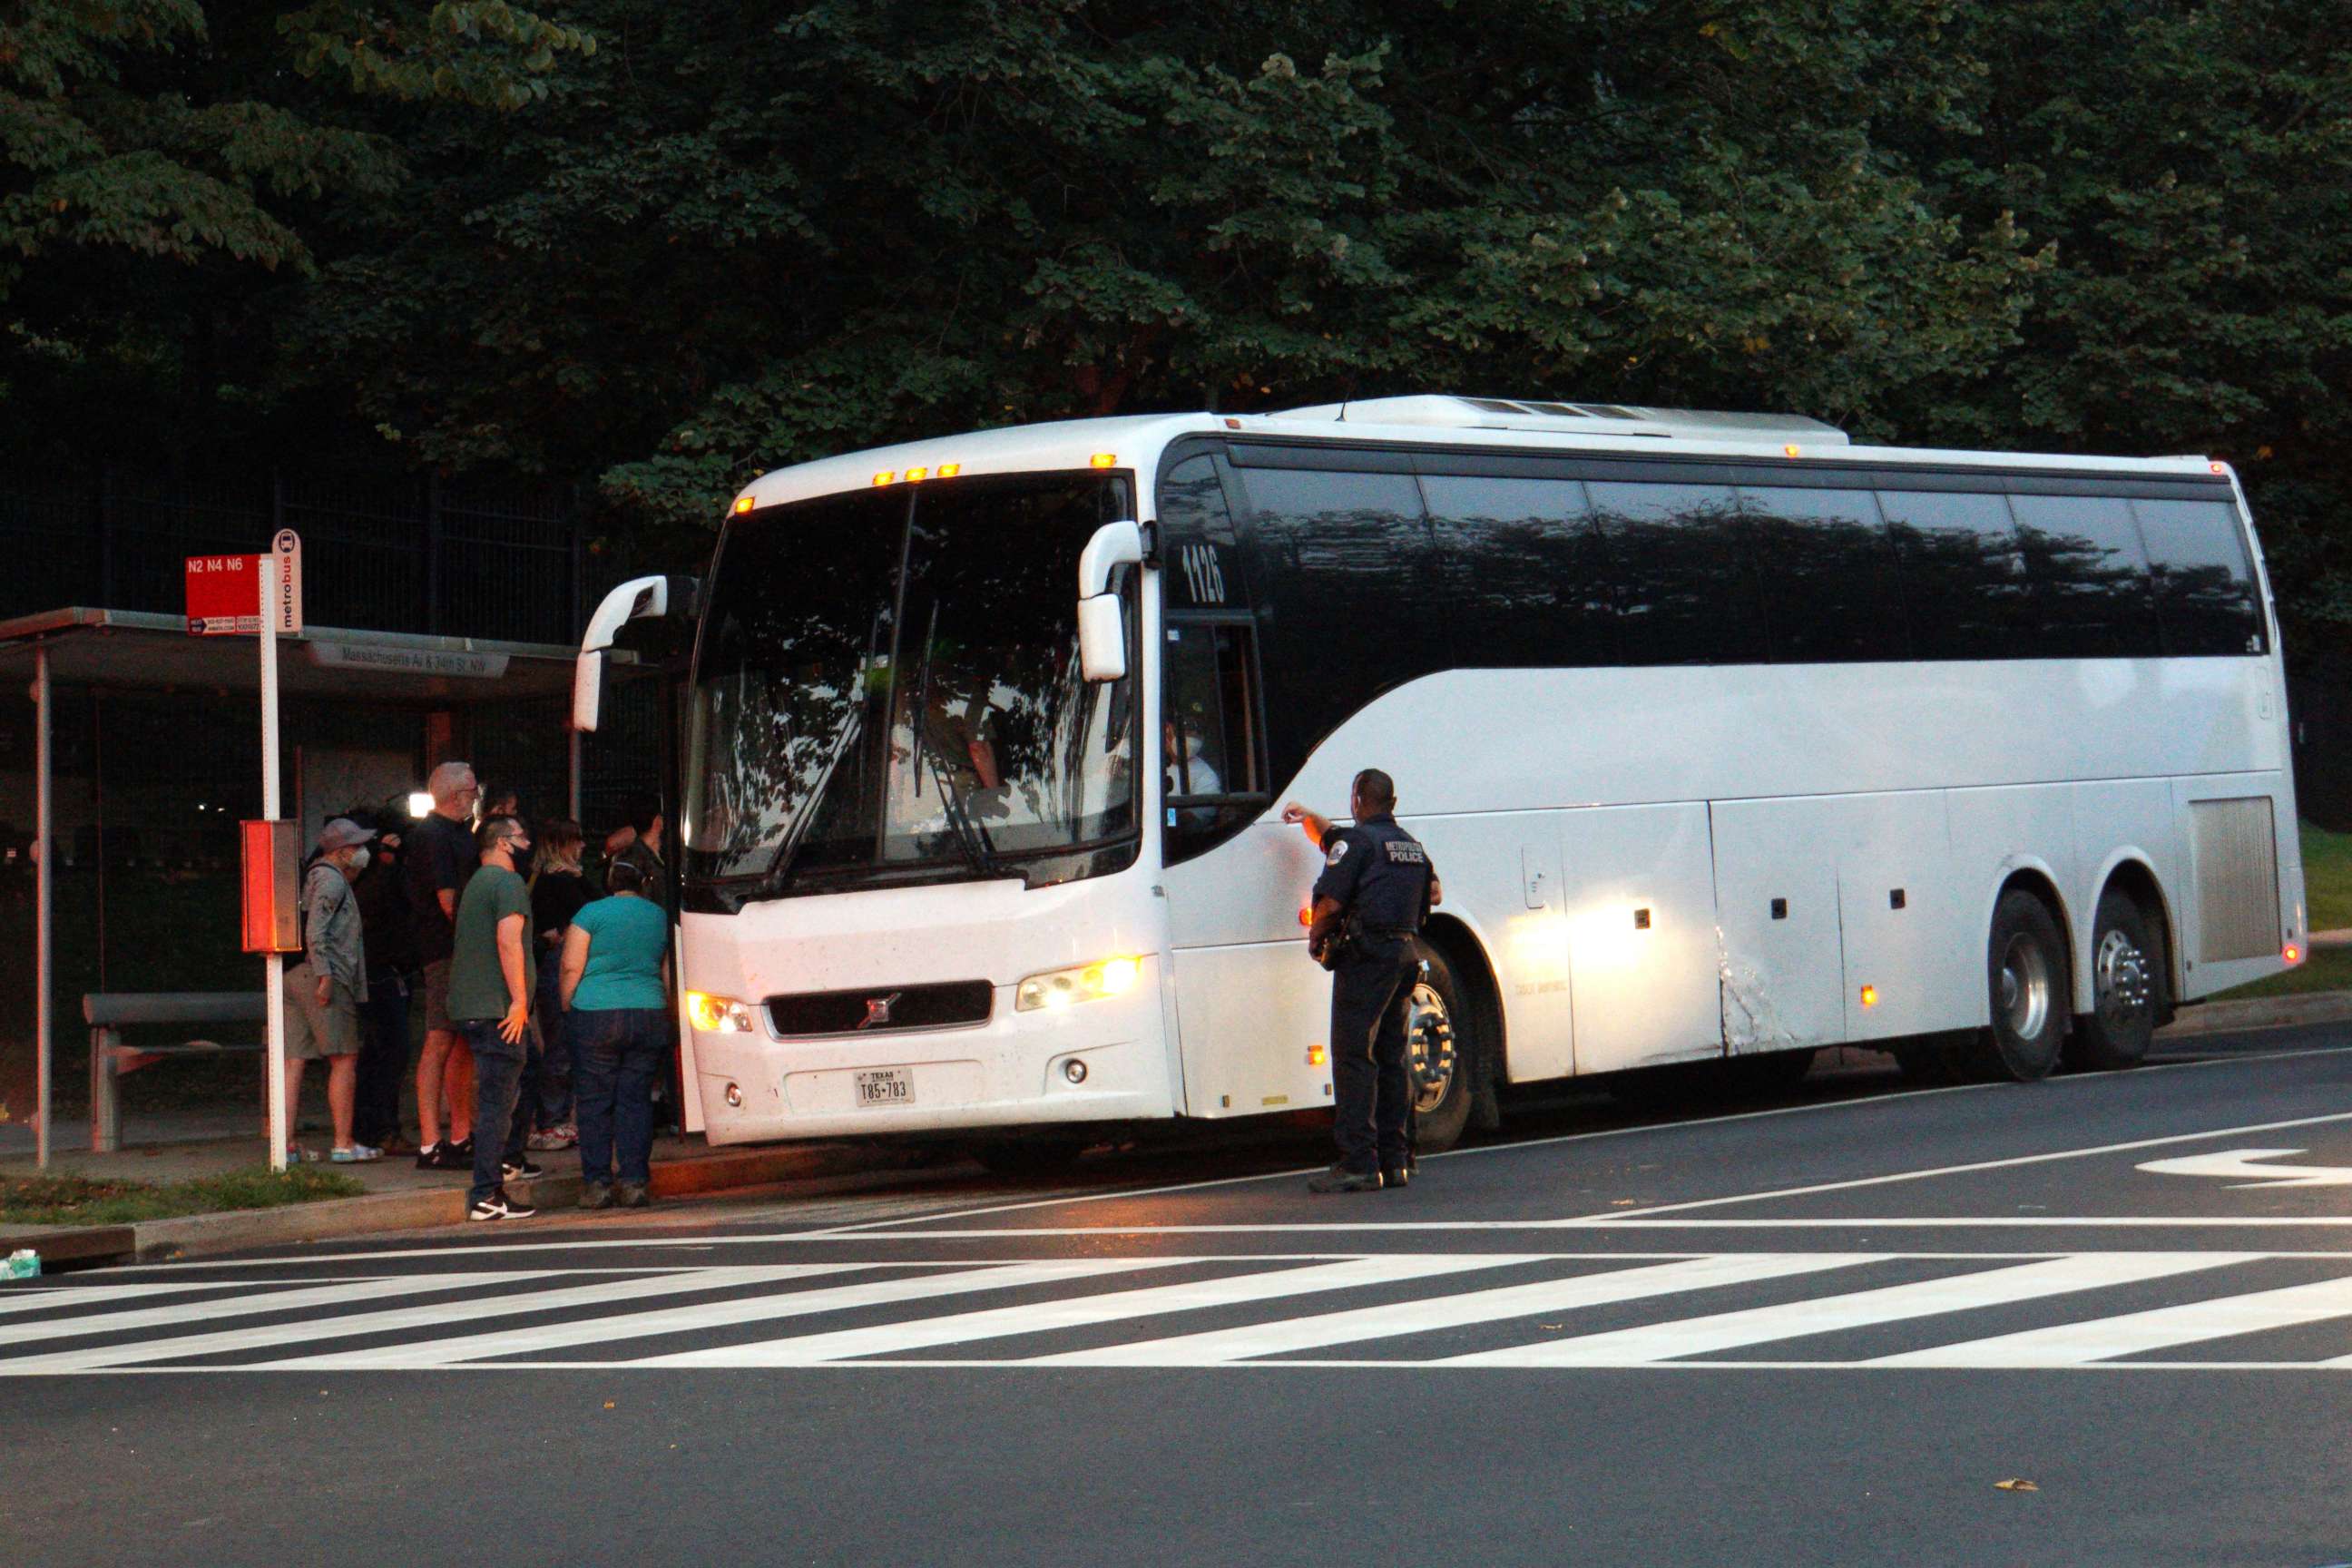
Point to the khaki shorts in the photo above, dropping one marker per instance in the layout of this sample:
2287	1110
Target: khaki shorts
437	997
312	1031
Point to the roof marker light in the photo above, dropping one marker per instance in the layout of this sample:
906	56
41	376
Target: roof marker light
885	477
1105	460
915	474
742	505
2219	467
950	470
1794	451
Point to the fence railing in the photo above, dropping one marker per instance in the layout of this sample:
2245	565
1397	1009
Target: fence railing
406	553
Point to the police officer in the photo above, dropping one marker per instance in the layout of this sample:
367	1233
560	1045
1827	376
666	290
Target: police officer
1376	889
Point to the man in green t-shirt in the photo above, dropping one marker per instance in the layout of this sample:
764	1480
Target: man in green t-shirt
490	1001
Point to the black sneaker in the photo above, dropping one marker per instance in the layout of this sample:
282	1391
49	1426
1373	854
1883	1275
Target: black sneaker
443	1156
498	1206
463	1150
631	1194
1339	1179
429	1157
1396	1176
596	1196
521	1170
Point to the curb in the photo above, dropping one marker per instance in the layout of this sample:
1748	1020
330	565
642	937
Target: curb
2261	1013
333	1219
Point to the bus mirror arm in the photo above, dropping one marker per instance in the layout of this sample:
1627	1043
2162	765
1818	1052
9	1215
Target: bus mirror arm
1102	626
640	598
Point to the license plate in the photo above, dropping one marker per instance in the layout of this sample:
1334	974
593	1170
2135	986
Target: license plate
890	1085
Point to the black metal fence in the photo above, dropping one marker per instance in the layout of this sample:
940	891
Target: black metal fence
403	554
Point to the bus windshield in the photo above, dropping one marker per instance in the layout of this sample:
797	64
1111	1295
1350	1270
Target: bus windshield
887	689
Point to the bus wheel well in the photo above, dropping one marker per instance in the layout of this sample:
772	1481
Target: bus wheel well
1467	954
2041	888
2135	881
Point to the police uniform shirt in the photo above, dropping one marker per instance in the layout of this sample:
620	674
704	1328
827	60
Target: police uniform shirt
1378	872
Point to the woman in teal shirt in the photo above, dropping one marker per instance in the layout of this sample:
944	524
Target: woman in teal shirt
615	984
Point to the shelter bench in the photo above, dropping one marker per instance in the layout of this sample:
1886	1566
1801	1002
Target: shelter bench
105	1012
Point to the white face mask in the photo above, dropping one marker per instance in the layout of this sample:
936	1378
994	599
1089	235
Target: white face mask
359	859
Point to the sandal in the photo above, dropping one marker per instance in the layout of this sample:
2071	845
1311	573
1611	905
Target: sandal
357	1154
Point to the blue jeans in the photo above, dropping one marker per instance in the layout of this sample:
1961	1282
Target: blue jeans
616	1058
554	1107
498	1078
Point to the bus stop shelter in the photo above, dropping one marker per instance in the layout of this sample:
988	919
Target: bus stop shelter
369	713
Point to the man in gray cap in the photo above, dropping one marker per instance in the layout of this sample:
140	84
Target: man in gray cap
323	992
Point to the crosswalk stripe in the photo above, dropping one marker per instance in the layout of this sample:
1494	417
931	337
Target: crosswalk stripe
431	1315
1085	1310
94	1294
2102	1338
1499	1305
719	1314
1889	1304
337	1293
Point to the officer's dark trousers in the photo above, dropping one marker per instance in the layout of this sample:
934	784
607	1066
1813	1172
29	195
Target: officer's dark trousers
1371	992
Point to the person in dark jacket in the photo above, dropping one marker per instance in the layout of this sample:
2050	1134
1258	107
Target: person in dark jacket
558	889
391	967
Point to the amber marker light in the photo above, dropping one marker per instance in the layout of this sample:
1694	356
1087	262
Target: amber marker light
950	470
2219	467
742	505
885	477
1870	995
915	474
1103	459
1306	913
1794	451
1315	1056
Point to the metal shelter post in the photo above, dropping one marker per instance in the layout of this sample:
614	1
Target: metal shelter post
273	966
571	765
44	829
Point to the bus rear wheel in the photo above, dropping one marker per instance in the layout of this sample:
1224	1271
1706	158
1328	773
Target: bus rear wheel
1442	1051
2029	988
2126	988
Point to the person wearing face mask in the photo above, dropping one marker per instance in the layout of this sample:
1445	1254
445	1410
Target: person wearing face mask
323	992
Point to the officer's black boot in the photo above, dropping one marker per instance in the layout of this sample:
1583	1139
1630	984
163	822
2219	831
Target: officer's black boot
1339	1179
1397	1175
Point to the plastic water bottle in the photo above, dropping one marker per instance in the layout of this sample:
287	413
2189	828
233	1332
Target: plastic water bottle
23	1264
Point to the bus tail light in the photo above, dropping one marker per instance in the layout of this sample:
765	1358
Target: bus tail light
2294	953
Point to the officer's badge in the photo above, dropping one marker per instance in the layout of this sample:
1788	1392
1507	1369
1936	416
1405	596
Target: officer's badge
1338	853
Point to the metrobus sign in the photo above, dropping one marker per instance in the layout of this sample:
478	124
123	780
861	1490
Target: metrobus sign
224	591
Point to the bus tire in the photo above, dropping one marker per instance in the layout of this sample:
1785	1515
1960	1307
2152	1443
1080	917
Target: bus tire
1444	1051
2028	986
1042	1156
2126	988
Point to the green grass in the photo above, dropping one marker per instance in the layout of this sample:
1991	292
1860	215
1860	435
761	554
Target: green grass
2326	877
77	1200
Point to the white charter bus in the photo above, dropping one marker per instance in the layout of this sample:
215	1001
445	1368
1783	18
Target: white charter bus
1730	740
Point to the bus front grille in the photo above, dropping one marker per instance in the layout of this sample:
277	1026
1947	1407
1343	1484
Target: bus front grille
882	1009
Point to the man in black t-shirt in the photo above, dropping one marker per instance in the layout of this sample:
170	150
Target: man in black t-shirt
441	857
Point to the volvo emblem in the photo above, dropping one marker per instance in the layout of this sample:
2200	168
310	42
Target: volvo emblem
877	1009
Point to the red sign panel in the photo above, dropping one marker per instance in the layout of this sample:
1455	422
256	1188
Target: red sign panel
224	596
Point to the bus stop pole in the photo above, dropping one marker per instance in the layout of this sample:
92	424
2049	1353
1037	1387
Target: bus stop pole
44	879
273	964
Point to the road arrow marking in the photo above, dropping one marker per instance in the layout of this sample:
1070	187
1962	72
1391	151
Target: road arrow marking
2241	1162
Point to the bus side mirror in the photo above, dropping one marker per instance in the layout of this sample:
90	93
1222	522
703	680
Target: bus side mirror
638	599
1102	626
587	690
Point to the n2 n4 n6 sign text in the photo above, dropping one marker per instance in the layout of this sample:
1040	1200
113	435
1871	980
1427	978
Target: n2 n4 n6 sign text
224	591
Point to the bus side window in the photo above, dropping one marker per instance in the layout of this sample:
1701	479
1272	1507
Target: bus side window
1964	586
2092	574
1212	765
2204	583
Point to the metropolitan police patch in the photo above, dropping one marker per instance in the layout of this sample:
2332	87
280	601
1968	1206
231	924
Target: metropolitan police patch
1338	853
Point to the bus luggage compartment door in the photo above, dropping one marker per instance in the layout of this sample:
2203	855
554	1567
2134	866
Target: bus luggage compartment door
1776	895
1640	935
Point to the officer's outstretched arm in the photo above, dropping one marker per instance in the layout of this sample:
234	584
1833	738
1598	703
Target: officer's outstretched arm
1317	826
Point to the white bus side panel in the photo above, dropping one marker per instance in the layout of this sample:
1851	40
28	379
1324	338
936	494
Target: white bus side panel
1776	893
1249	1017
1909	928
1501	876
1641	932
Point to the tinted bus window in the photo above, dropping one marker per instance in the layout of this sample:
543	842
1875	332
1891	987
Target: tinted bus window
2091	575
1521	572
1198	544
1683	590
2204	583
1340	563
1827	573
1961	567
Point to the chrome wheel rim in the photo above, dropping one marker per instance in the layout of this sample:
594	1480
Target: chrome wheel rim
1428	1047
2025	987
2123	990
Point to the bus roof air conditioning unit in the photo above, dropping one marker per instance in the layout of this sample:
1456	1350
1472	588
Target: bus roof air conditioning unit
1573	418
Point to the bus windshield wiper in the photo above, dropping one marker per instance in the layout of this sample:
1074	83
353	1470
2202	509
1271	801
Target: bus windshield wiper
969	835
781	865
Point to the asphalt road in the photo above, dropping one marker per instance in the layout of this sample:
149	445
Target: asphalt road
1824	1332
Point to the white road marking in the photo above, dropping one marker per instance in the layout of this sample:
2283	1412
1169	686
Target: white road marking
1974	1165
1892	1303
19	1299
2105	1338
433	1315
2240	1162
1218	1346
337	1293
717	1314
1082	1312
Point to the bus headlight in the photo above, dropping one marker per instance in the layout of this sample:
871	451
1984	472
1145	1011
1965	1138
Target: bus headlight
718	1015
1061	987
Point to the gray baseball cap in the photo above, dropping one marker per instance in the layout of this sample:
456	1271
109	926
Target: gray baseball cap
342	833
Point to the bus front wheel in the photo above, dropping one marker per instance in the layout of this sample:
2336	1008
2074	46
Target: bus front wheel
2030	990
1442	1051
